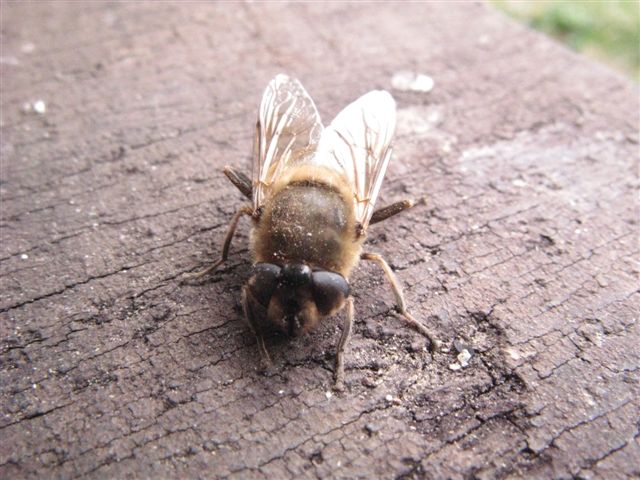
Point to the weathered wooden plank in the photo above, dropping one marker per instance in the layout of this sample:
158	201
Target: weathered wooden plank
527	250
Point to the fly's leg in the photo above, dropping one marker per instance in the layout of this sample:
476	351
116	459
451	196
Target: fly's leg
397	292
240	180
344	338
393	209
265	359
248	306
245	210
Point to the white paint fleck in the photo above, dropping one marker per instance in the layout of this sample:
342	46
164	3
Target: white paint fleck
515	354
40	107
411	81
478	153
418	120
389	398
589	398
328	395
280	392
518	182
24	256
463	357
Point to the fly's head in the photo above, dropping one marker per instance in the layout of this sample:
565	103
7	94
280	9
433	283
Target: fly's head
292	298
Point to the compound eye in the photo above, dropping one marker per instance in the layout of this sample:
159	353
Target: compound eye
264	281
330	290
296	274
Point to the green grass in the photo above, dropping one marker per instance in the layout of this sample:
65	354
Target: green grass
608	30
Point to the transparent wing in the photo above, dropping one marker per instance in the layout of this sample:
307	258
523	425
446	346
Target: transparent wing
288	130
358	143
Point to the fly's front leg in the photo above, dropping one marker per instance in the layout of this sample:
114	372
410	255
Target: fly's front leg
249	306
397	292
344	338
245	210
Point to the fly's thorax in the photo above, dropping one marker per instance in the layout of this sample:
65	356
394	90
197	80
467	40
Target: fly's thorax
309	218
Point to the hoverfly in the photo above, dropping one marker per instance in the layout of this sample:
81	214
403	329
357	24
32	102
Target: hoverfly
311	199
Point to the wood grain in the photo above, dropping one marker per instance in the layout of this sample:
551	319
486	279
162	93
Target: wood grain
527	251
